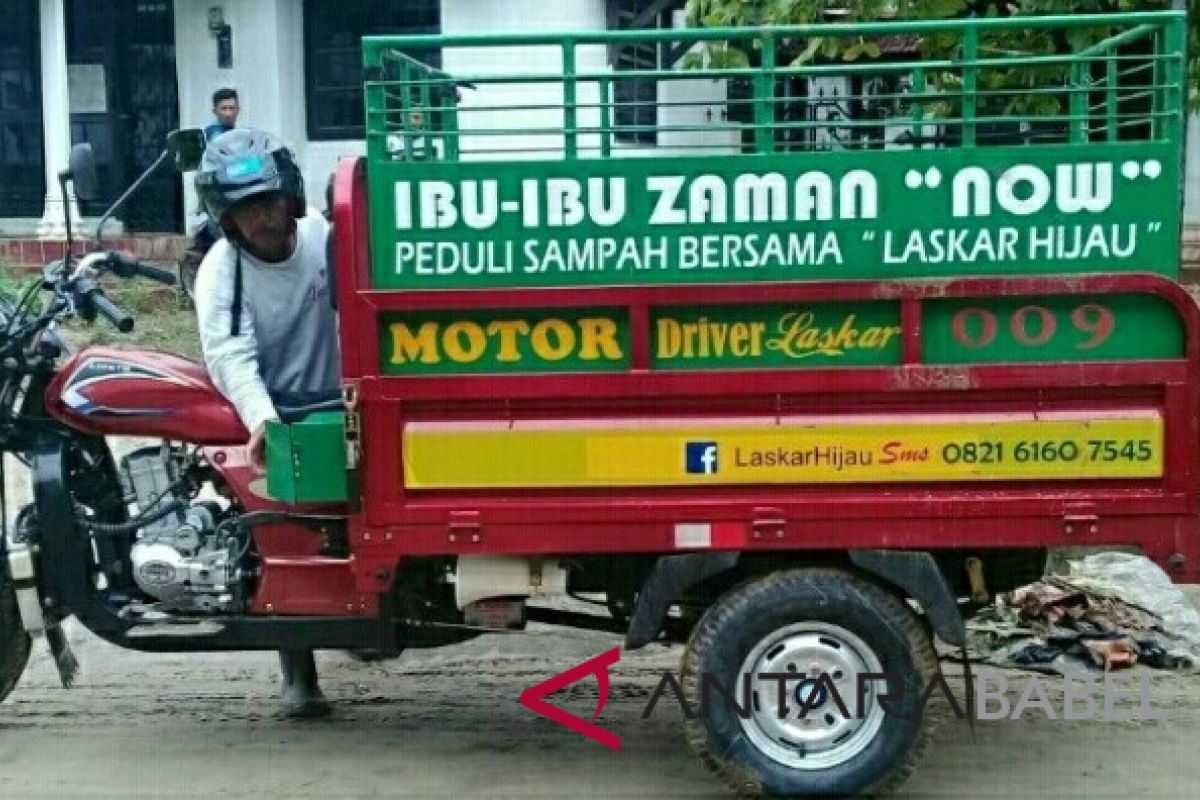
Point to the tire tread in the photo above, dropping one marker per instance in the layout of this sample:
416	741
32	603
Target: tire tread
829	583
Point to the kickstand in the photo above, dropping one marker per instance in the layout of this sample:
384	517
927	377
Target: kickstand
64	658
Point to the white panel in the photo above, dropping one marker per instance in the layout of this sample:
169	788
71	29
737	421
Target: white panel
1191	207
522	16
693	535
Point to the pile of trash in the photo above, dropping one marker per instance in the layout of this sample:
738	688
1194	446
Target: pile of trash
1111	611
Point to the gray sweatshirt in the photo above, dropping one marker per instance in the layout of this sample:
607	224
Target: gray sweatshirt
288	341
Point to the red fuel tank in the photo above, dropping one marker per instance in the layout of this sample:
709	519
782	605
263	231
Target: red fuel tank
117	391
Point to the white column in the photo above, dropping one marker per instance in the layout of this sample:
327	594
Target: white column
1191	206
56	116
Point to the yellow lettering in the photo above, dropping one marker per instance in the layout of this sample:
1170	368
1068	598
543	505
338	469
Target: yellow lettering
691	331
407	348
848	334
739	339
670	338
507	331
562	334
599	339
464	342
870	338
759	329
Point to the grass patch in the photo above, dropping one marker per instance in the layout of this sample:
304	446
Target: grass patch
161	321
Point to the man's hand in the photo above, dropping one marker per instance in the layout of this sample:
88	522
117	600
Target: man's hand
258	450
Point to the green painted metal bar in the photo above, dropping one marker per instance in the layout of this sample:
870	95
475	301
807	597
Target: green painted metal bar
852	124
1112	100
606	131
1175	99
1078	103
406	106
835	70
425	119
1128	93
918	108
970	81
1106	46
451	137
570	92
833	30
1160	96
764	94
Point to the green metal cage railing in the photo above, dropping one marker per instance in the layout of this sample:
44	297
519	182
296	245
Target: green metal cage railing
555	96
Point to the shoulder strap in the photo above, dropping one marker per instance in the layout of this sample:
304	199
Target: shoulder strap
235	323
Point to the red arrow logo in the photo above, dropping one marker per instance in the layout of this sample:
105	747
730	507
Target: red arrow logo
531	698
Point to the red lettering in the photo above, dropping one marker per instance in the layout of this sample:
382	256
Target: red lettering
963	322
1047	325
894	452
1096	320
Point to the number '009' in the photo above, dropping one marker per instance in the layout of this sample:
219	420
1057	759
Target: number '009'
1033	326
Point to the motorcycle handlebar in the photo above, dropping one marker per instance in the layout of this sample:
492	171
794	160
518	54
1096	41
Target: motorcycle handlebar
126	267
156	274
110	310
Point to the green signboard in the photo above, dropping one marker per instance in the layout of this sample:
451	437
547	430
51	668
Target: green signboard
1050	329
776	336
805	216
480	342
1054	329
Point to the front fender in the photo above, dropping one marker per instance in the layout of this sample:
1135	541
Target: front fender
64	557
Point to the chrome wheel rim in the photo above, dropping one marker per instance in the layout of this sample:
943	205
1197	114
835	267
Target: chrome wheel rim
822	737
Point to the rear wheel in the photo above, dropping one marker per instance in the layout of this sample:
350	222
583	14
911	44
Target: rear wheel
827	627
14	641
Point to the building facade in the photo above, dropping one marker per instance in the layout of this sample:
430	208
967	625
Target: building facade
122	73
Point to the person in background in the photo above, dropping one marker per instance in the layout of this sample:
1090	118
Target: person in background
225	108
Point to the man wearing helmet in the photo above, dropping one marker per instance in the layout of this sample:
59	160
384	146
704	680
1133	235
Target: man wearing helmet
267	327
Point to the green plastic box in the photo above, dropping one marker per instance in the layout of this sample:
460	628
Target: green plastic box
306	460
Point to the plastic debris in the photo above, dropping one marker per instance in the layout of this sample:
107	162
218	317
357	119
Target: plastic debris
1113	611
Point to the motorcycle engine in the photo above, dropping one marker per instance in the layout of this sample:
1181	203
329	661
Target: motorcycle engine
179	558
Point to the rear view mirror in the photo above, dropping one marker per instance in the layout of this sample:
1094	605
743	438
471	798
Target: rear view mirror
83	171
186	148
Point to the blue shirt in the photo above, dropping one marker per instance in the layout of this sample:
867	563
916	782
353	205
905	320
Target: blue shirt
214	130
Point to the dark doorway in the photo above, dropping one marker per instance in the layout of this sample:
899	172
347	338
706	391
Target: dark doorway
124	98
22	170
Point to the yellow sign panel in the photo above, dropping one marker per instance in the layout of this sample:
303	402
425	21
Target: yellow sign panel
972	448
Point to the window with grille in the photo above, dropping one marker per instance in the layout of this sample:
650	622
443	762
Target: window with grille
636	99
333	31
22	174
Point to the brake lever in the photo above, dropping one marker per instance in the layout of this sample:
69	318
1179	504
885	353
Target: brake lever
91	266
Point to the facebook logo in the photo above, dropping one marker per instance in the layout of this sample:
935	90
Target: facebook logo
701	458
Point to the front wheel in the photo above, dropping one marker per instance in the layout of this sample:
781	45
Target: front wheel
790	736
14	640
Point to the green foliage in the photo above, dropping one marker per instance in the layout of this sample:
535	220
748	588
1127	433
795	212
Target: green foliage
160	320
738	13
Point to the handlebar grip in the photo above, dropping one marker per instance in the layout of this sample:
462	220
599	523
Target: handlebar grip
111	312
156	274
126	266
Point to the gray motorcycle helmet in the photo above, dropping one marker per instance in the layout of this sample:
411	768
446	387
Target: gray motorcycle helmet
243	163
